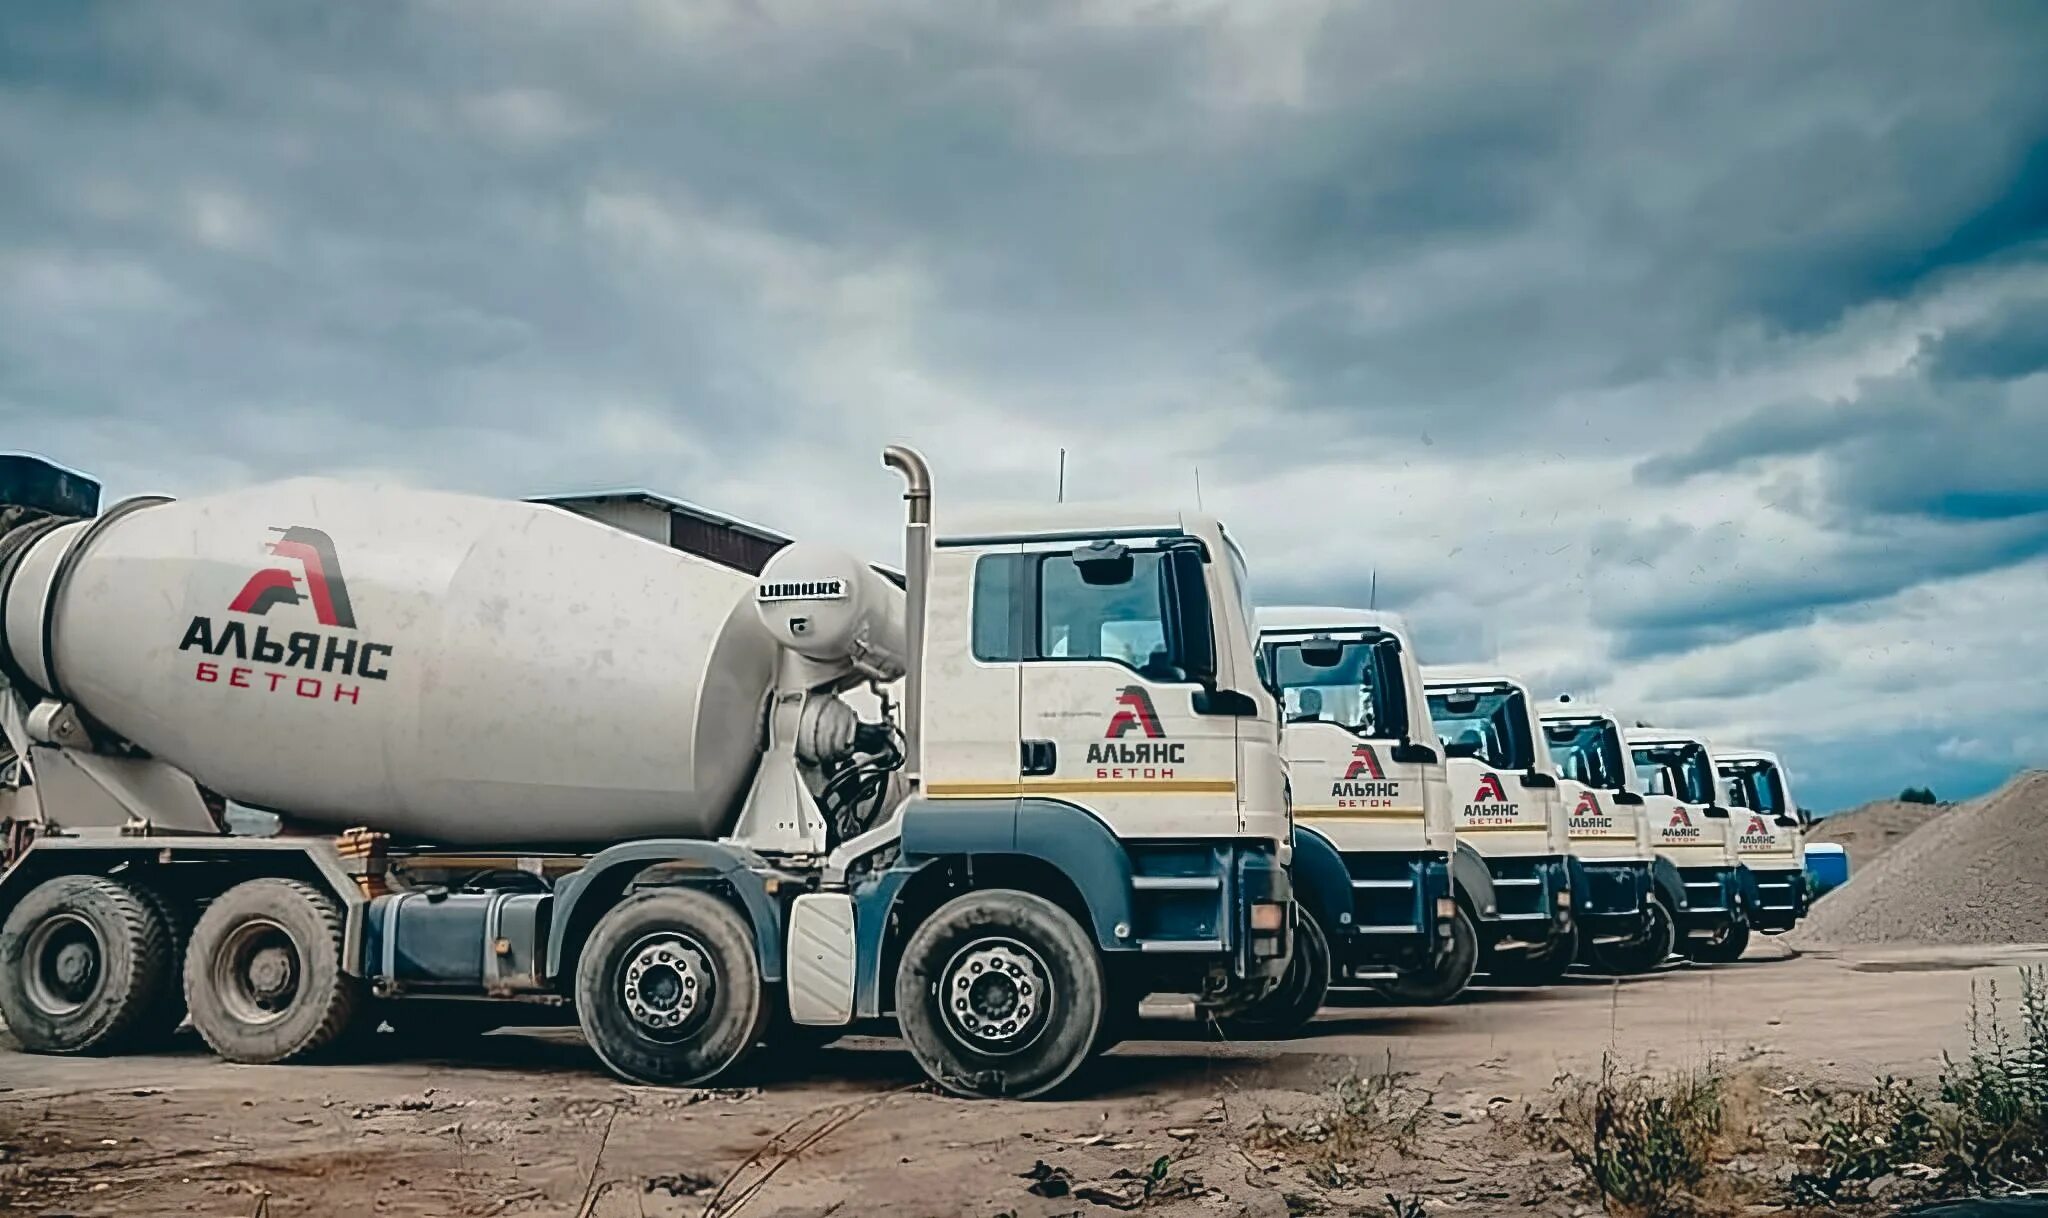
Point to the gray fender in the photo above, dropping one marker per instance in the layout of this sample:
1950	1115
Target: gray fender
1322	883
1069	838
1667	883
1474	882
697	864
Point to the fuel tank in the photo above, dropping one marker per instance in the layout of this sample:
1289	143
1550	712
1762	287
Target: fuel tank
442	667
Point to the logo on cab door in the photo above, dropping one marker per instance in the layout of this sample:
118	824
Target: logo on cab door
1365	784
1681	826
1757	835
1490	804
1154	757
1589	817
317	665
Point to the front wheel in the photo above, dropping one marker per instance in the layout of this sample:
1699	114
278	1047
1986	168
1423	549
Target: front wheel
1648	951
668	989
86	966
1000	993
1448	977
1725	947
1300	994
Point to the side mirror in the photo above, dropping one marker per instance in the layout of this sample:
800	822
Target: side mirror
1410	753
1628	799
1538	779
1191	635
1322	653
1716	812
1786	822
1104	564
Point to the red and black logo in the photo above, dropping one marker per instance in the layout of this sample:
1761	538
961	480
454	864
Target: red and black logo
319	656
1364	764
313	550
1588	806
1134	710
1680	818
1489	790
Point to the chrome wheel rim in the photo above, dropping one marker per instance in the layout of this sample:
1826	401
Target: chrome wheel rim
667	985
997	995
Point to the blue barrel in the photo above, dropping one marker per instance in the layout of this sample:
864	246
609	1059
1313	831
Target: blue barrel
1827	864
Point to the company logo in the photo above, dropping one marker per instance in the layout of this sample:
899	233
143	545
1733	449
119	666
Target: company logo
1364	764
313	551
318	665
1681	825
1588	806
1134	710
1490	804
1489	790
1153	758
1757	835
1589	818
1757	827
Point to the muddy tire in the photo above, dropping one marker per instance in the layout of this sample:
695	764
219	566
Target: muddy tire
85	966
1646	953
163	1022
1726	949
1452	973
669	991
1300	994
263	974
1000	993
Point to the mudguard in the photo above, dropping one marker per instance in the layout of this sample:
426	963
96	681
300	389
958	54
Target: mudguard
1473	880
695	863
1069	837
1666	882
1322	883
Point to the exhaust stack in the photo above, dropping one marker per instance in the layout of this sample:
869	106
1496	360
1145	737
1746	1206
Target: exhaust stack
917	548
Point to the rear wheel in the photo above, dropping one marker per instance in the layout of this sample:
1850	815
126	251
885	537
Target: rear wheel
1448	977
85	966
668	989
1648	951
1725	947
263	975
1300	994
1000	993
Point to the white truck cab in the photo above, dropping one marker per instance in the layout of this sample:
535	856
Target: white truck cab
1505	803
1769	835
1626	907
1689	826
1374	838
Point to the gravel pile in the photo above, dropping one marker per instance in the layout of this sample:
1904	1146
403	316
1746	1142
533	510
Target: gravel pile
1869	831
1977	874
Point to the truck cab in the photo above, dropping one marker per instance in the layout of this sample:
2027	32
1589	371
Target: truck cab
1770	837
1627	904
1373	834
1689	826
1506	804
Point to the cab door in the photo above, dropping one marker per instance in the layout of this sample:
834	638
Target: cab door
1116	720
974	663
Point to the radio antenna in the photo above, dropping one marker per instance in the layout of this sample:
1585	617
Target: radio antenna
1198	488
1063	476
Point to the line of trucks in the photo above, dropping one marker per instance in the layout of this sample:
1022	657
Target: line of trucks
529	768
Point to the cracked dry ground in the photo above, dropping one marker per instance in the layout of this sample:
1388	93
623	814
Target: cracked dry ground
525	1124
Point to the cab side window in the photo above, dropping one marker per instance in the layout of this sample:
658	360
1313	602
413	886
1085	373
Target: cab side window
1124	622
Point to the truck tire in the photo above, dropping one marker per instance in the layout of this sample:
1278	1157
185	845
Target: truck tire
85	963
263	973
163	1022
669	991
1725	948
1000	993
1300	994
1653	948
1451	974
1535	969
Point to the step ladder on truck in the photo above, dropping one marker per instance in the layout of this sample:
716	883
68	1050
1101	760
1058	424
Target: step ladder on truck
1505	803
1626	908
1374	848
622	784
1689	826
1770	837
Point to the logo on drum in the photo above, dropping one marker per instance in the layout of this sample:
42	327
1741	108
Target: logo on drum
1364	764
1134	710
313	551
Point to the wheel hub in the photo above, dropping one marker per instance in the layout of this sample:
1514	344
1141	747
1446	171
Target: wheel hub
62	962
667	985
270	974
996	995
255	971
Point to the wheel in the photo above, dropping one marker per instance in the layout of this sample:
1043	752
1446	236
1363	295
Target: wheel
1000	993
1649	950
85	966
263	974
1300	994
163	1021
1547	967
1448	977
668	989
1725	947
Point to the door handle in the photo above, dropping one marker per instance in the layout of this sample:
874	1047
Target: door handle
1038	757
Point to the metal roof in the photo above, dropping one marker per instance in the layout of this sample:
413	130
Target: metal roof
670	503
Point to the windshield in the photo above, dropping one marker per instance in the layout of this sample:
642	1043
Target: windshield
1678	770
1587	751
1489	723
1346	693
1755	785
1243	578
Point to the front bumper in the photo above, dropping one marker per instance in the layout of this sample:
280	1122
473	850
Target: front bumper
1781	899
1613	901
1715	897
1532	896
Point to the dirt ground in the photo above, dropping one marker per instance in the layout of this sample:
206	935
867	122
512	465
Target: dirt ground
525	1124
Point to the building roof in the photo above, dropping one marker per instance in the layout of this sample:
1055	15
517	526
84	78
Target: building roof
668	502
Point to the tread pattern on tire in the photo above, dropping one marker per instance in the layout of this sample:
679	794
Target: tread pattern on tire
143	932
341	1002
177	919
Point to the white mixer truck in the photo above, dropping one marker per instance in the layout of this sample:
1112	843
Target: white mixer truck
1688	826
1375	849
1769	837
1505	802
1627	904
524	761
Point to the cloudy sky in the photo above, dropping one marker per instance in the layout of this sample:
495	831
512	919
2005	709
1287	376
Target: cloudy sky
1692	357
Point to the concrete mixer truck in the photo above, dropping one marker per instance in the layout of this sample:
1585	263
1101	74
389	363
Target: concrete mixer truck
523	761
1689	826
1769	837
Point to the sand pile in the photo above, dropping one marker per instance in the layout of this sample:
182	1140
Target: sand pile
1869	831
1977	874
